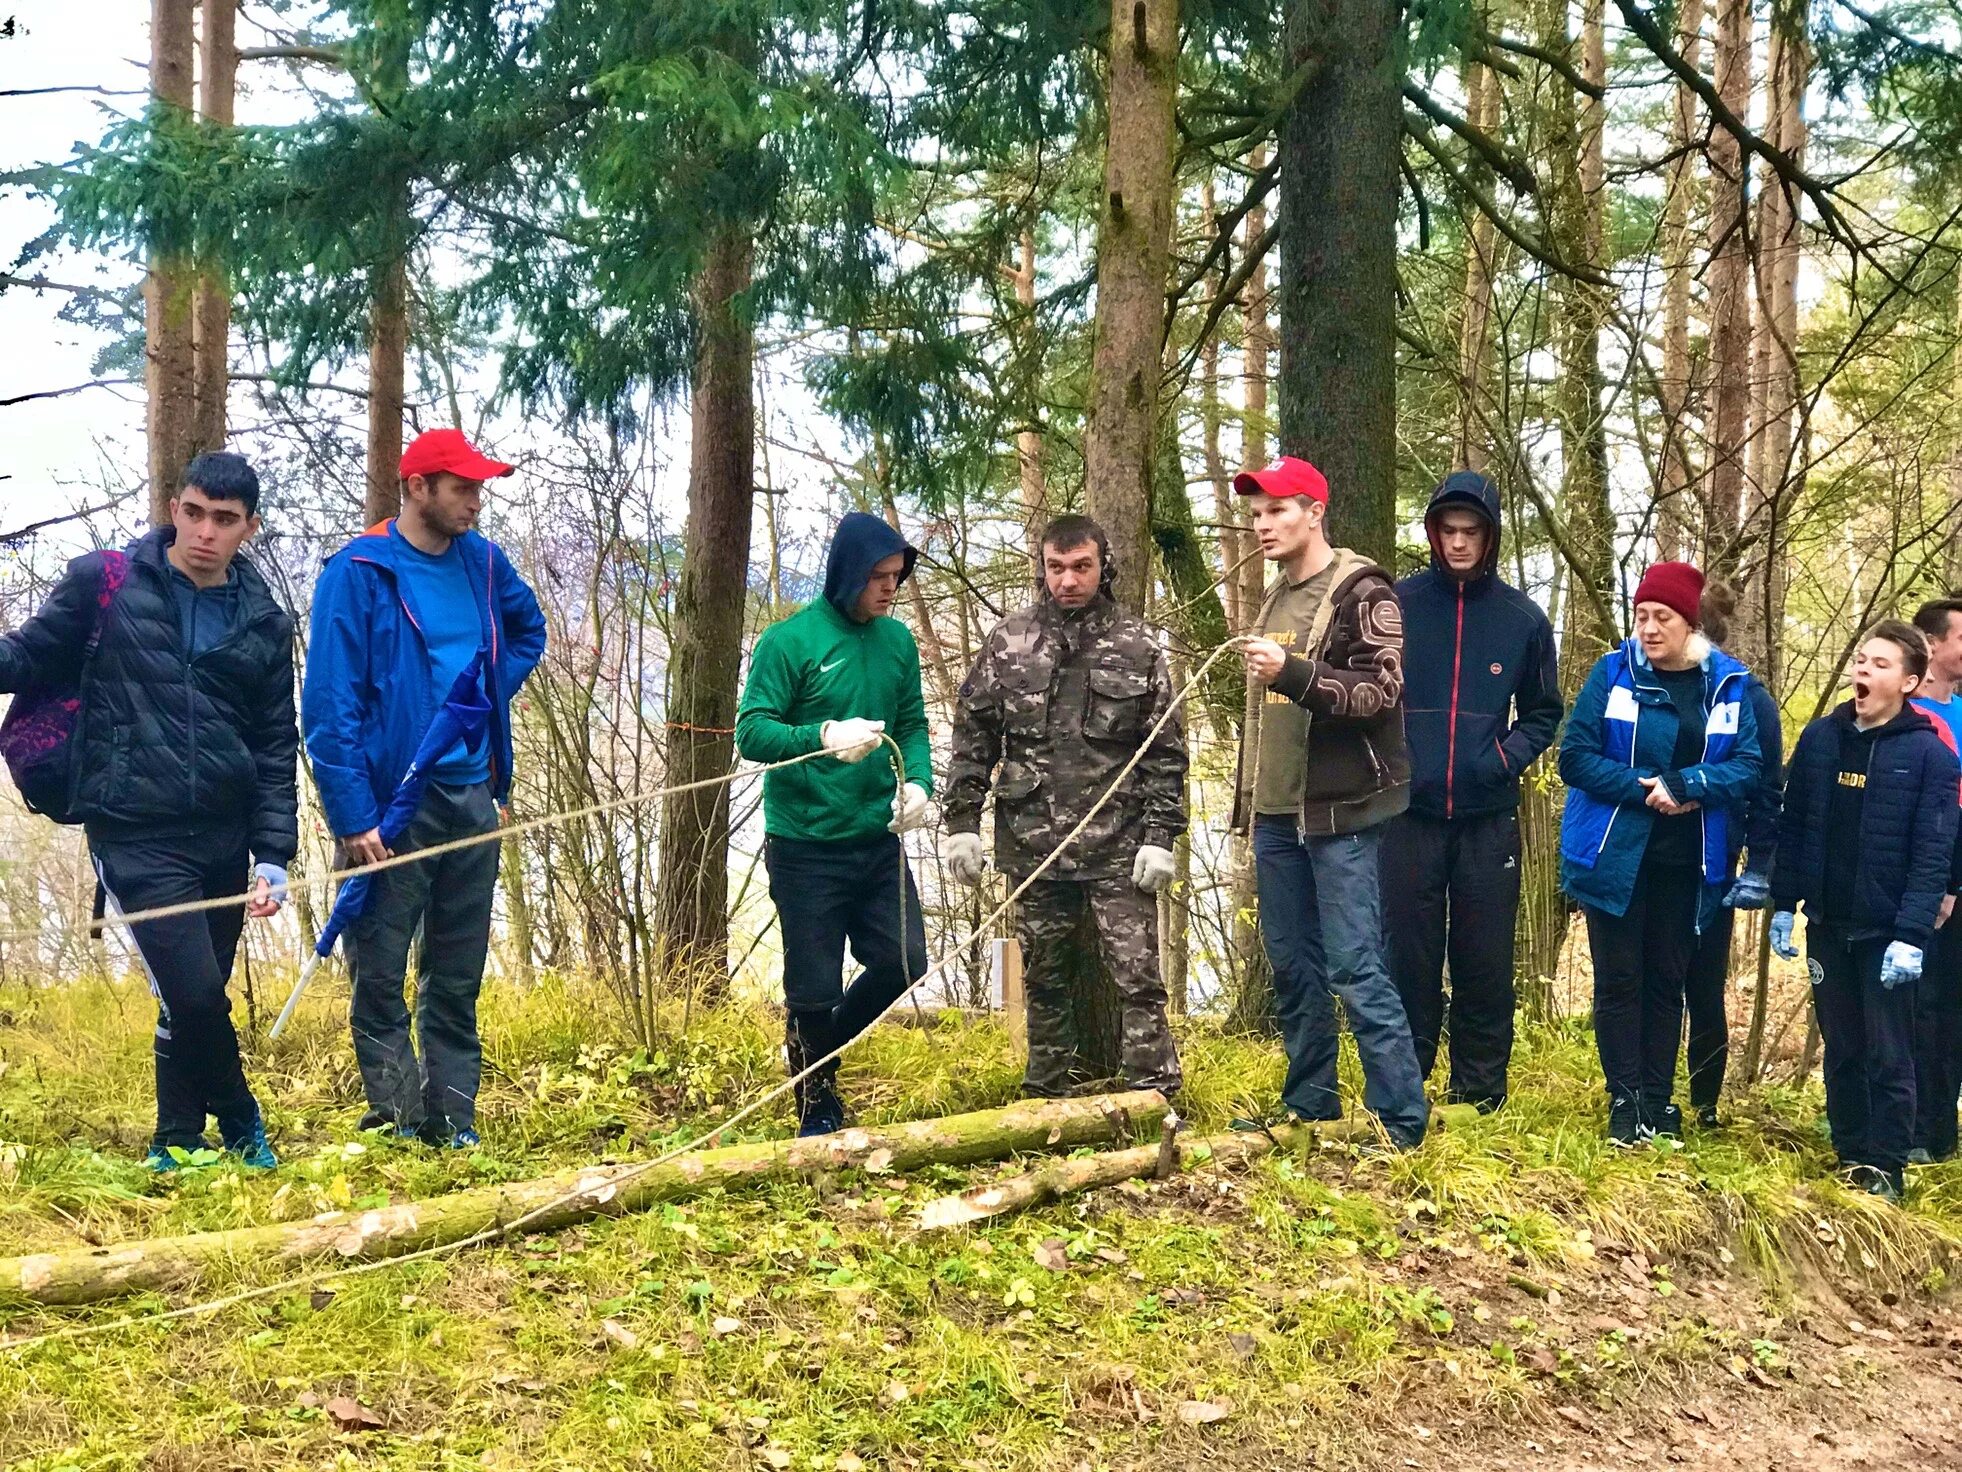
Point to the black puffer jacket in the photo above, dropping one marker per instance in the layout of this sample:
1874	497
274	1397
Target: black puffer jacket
167	740
1907	827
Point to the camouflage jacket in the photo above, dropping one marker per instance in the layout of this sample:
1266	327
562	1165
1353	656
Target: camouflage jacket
1062	702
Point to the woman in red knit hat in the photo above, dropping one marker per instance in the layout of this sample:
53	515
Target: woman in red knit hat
1660	755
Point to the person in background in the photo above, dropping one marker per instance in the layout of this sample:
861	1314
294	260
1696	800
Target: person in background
1062	695
1867	846
1938	998
1756	831
1481	702
187	780
398	615
1328	769
836	676
1660	758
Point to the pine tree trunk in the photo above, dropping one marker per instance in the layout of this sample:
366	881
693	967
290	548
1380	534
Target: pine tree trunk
91	1274
1730	296
1339	193
169	284
1028	440
1678	476
1579	202
1955	454
1473	450
388	349
211	332
708	626
1133	255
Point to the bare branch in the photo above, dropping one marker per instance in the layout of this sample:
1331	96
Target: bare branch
59	393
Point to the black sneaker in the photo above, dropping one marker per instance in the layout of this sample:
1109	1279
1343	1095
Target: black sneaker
1666	1123
819	1111
1625	1127
1889	1185
1707	1117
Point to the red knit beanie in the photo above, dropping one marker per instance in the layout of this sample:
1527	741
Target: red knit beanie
1676	585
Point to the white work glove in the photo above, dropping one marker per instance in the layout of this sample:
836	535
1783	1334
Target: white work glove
1781	935
909	807
961	853
851	740
1153	869
1901	963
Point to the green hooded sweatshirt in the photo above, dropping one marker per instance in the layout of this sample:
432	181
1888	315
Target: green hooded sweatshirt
820	665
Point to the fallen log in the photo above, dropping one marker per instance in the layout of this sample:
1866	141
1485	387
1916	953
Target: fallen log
1057	1178
87	1275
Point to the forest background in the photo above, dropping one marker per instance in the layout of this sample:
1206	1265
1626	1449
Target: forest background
1683	280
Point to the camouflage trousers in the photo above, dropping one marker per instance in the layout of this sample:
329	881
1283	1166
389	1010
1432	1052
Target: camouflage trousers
1126	924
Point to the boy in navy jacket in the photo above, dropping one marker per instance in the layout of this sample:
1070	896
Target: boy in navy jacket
1865	845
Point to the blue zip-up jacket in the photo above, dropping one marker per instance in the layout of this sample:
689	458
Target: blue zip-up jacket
367	699
1758	831
1623	728
1907	827
1481	680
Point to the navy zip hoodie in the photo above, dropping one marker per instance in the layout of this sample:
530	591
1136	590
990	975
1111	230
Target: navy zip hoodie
1481	674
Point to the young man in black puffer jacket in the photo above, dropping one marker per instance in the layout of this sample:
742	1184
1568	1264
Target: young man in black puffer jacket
185	773
1481	702
1865	844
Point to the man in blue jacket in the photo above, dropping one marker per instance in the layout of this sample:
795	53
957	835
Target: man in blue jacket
398	615
1865	844
1481	703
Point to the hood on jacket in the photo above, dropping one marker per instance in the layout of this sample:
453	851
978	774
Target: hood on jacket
1465	488
1910	719
860	544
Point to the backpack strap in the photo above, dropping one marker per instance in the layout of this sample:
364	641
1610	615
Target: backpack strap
115	572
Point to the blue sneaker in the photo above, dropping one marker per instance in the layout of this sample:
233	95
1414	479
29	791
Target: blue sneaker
464	1139
248	1143
160	1160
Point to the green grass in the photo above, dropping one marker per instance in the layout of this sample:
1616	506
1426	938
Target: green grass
810	1326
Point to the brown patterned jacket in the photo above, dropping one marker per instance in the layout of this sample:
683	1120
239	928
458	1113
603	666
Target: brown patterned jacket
1358	768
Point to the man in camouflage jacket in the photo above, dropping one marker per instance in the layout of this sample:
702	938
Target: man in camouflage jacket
1062	696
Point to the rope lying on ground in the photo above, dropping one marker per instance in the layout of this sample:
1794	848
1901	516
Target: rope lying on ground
517	1225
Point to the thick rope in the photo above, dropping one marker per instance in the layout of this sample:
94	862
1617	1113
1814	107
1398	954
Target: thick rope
518	1224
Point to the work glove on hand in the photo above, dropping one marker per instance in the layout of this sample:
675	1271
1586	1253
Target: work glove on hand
909	809
1752	891
851	740
1153	869
1901	963
1781	935
274	877
961	853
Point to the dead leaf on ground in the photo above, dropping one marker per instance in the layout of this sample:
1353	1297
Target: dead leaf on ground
725	1326
619	1335
1053	1255
1574	1417
1244	1345
350	1415
849	1461
320	1298
1204	1412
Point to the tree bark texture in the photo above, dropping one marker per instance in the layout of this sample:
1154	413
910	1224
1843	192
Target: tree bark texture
212	313
1028	440
1133	255
1339	191
91	1274
692	902
1678	475
388	351
1475	408
169	283
1730	296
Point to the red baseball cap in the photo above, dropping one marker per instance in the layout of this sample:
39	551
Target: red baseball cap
436	450
1287	476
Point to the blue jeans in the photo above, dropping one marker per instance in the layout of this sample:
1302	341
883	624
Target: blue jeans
1321	920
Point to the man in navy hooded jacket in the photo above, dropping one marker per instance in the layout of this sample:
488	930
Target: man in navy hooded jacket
837	676
398	615
1481	703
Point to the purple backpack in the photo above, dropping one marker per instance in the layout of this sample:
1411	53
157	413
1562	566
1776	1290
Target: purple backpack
41	737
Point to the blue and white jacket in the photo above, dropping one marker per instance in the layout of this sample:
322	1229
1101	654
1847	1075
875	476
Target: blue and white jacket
1623	728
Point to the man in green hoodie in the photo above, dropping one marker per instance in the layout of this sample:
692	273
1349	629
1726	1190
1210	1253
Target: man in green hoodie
837	676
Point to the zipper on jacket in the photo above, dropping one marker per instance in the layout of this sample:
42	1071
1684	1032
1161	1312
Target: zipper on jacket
1451	741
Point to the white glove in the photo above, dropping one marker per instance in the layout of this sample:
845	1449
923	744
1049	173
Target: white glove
961	853
1901	963
851	740
1153	869
909	808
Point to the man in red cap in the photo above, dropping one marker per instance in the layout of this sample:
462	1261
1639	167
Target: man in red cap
1322	769
399	615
